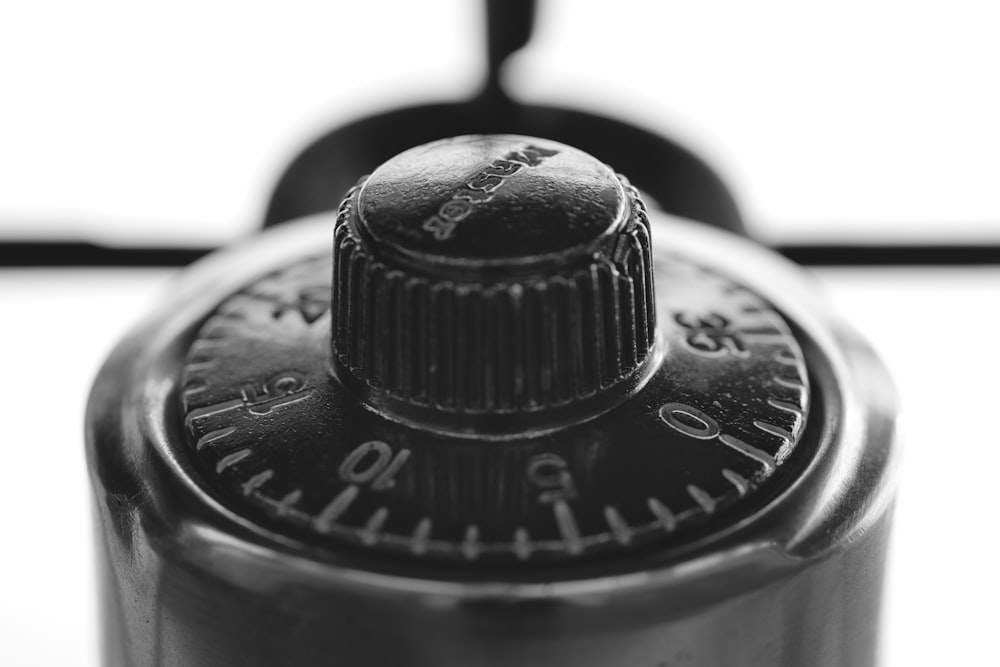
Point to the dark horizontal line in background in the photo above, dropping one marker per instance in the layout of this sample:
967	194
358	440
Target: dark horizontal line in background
69	254
820	254
78	254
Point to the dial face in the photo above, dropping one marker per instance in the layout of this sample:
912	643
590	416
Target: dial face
277	440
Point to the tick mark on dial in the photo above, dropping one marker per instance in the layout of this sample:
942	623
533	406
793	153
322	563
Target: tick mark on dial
201	366
223	328
257	481
786	406
421	537
235	308
522	543
204	346
786	358
702	497
789	384
785	436
288	501
758	455
620	529
231	459
370	533
662	514
192	390
762	337
213	436
470	544
211	410
737	480
335	508
568	529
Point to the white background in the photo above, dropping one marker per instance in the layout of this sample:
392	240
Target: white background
174	119
121	120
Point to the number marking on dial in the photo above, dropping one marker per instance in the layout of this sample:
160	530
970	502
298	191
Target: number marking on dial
550	473
383	470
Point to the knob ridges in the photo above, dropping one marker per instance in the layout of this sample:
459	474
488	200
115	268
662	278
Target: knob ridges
500	342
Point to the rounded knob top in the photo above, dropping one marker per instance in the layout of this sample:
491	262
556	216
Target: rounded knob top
485	277
470	204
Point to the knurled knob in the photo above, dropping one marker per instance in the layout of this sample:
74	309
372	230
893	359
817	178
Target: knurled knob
491	275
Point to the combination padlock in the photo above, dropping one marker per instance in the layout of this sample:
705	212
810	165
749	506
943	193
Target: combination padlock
492	411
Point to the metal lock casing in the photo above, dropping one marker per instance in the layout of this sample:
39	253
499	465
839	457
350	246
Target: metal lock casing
193	576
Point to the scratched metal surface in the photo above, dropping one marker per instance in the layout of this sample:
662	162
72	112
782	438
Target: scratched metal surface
932	327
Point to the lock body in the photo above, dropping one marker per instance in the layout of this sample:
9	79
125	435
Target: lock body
723	497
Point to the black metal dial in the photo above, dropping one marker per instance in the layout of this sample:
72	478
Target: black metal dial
511	417
279	440
491	376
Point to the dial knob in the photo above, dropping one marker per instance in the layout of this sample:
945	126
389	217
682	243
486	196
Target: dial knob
501	391
485	276
528	423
